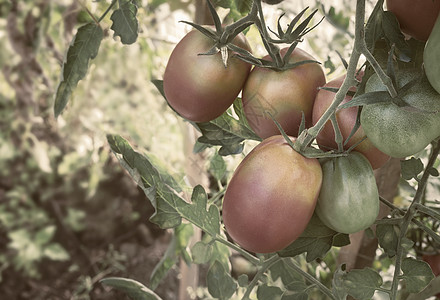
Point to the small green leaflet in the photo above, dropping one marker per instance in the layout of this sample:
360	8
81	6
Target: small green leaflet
134	289
361	283
411	168
316	240
159	188
84	47
417	274
125	23
220	283
175	250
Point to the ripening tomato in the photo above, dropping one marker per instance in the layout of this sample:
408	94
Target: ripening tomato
434	263
346	121
271	196
416	17
199	87
349	199
403	131
282	94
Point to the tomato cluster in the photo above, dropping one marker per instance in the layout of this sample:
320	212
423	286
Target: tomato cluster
276	189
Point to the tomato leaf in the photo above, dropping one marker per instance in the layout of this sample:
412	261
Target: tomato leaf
220	283
227	132
417	274
132	288
361	283
294	286
316	240
388	236
201	252
267	292
164	192
84	47
411	168
125	24
217	166
176	249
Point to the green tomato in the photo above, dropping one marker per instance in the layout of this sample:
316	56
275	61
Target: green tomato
402	131
349	200
431	57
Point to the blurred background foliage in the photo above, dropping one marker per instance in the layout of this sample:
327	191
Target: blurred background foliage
69	215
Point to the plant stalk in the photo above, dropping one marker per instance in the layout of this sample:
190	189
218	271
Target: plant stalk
409	215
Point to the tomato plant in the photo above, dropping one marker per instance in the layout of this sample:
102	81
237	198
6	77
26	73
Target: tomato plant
348	201
199	87
401	131
271	196
416	17
282	94
346	119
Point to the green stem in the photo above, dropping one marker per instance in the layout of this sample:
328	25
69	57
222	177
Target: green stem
245	254
386	80
264	267
311	279
409	216
307	136
107	11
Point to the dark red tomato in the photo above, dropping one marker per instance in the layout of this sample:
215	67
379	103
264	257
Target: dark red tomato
271	196
282	94
199	87
434	263
346	120
416	17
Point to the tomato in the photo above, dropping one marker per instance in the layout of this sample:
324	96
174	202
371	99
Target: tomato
416	17
349	199
271	196
431	57
346	120
282	94
434	263
402	131
199	87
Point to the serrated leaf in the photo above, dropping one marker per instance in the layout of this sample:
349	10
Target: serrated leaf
169	205
125	24
176	249
132	288
388	238
416	273
362	283
220	283
84	47
410	168
316	240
